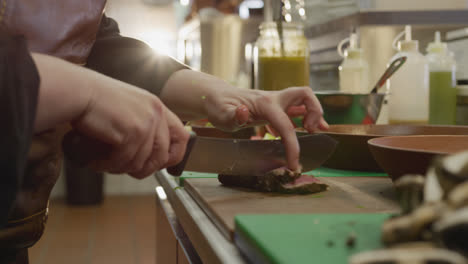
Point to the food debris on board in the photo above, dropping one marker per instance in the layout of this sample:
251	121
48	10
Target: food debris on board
433	224
351	240
281	180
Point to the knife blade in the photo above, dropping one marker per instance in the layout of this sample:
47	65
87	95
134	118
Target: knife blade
252	157
218	155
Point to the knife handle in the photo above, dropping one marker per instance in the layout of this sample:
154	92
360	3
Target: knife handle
82	150
177	169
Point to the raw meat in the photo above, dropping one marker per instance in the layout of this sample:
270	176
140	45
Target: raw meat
279	180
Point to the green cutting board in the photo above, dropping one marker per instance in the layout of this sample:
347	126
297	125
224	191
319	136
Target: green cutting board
320	172
306	238
195	175
327	172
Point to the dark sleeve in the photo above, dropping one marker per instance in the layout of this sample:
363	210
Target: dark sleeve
130	60
19	84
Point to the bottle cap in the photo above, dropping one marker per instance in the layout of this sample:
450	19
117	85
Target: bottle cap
353	53
437	46
412	45
408	44
353	49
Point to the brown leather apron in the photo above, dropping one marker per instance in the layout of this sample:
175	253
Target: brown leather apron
27	220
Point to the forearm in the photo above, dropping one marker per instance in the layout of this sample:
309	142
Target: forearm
133	62
186	93
64	93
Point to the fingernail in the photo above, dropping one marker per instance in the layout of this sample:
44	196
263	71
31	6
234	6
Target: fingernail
324	123
241	116
240	124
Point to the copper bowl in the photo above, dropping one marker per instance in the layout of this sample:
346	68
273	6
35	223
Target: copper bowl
352	152
413	154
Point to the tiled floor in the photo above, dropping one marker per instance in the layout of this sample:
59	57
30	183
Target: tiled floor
121	230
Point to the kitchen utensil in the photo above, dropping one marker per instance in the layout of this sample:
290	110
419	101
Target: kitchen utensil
352	152
355	195
402	155
81	150
349	108
219	155
391	69
253	157
307	238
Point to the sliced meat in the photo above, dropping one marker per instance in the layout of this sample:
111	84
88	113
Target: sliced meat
279	180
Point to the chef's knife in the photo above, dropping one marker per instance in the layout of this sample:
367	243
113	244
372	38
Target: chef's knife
221	155
253	157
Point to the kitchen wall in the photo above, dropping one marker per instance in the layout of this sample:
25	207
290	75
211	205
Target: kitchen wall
156	25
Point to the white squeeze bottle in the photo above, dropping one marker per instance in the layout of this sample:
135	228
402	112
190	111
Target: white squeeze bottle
354	70
409	86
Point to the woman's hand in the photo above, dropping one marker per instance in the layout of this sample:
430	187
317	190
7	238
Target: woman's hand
194	95
143	134
236	108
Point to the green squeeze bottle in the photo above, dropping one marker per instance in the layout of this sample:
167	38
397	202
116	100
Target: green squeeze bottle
442	83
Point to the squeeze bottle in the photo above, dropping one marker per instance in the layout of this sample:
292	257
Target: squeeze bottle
442	83
354	70
409	87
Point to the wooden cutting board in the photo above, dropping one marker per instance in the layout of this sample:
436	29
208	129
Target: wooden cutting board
346	195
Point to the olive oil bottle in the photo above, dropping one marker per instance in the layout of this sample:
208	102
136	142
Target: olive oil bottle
277	73
281	61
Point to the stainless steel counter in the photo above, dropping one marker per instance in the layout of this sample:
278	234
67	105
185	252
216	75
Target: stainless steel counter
209	243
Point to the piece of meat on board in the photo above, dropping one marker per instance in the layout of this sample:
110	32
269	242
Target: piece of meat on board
279	180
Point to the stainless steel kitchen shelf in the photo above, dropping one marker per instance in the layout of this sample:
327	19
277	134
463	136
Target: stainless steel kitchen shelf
432	17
